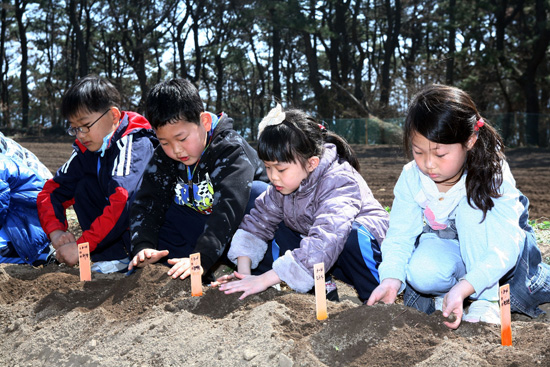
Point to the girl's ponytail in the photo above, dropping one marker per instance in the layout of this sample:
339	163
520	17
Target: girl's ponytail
343	148
296	137
484	166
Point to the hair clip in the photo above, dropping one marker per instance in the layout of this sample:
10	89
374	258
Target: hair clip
275	117
479	124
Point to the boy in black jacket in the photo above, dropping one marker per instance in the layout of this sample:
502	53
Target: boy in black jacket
198	185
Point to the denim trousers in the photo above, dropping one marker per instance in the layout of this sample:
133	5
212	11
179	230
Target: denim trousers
529	280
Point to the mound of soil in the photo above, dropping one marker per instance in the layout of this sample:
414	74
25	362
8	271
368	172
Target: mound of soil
49	317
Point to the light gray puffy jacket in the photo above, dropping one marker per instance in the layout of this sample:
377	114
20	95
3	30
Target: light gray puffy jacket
322	209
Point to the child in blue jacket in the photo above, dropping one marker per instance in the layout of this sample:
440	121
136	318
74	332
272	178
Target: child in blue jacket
459	226
111	150
22	176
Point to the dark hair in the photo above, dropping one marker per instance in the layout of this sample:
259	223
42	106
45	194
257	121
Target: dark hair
447	115
298	138
172	101
89	94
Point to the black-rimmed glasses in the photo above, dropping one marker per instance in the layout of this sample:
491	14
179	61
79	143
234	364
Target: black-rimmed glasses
72	131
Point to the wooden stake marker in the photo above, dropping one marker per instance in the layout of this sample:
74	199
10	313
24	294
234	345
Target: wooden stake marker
196	277
84	262
505	317
320	292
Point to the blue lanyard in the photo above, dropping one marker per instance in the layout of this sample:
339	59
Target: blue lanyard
191	174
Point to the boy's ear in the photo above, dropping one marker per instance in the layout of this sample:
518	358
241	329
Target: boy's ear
312	163
206	121
116	114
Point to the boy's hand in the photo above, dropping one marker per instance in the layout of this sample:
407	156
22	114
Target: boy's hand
386	292
181	268
145	257
67	254
60	238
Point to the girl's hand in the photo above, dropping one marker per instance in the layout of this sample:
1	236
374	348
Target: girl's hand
181	268
223	279
145	257
386	292
250	284
454	300
60	238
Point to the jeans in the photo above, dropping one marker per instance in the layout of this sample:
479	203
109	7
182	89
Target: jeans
529	280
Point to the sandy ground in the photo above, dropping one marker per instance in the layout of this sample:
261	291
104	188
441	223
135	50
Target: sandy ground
50	318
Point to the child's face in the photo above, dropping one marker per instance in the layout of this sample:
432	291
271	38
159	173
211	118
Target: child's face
99	124
185	141
287	177
443	163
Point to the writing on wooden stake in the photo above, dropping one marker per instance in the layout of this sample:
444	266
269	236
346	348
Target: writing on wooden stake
320	293
196	277
84	262
505	317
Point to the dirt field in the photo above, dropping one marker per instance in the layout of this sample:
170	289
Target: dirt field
381	166
48	317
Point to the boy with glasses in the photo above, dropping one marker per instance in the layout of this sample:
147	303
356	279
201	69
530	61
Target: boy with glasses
111	151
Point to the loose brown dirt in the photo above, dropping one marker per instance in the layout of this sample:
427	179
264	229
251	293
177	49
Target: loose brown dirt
48	317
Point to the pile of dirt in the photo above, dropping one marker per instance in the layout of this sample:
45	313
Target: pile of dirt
49	317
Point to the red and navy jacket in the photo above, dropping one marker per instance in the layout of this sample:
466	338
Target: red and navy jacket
115	176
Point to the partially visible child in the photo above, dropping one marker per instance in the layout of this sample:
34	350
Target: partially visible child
476	236
197	187
22	176
111	150
328	212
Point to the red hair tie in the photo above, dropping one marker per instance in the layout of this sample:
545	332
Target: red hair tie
322	127
479	124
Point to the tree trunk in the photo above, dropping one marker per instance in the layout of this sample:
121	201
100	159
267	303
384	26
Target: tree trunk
19	11
219	81
4	67
80	44
313	67
276	38
528	78
393	29
449	79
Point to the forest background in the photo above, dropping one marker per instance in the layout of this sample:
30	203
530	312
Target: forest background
353	64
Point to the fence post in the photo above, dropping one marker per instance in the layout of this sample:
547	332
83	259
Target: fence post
366	131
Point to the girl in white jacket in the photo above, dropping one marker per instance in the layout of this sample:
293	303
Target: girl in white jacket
458	225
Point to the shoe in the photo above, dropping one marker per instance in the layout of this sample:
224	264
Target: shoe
438	303
111	266
483	311
332	291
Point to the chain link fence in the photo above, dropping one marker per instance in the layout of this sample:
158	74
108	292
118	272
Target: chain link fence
516	129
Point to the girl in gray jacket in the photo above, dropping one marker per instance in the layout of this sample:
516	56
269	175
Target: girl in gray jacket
318	209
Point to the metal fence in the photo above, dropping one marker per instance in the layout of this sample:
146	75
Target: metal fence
516	129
